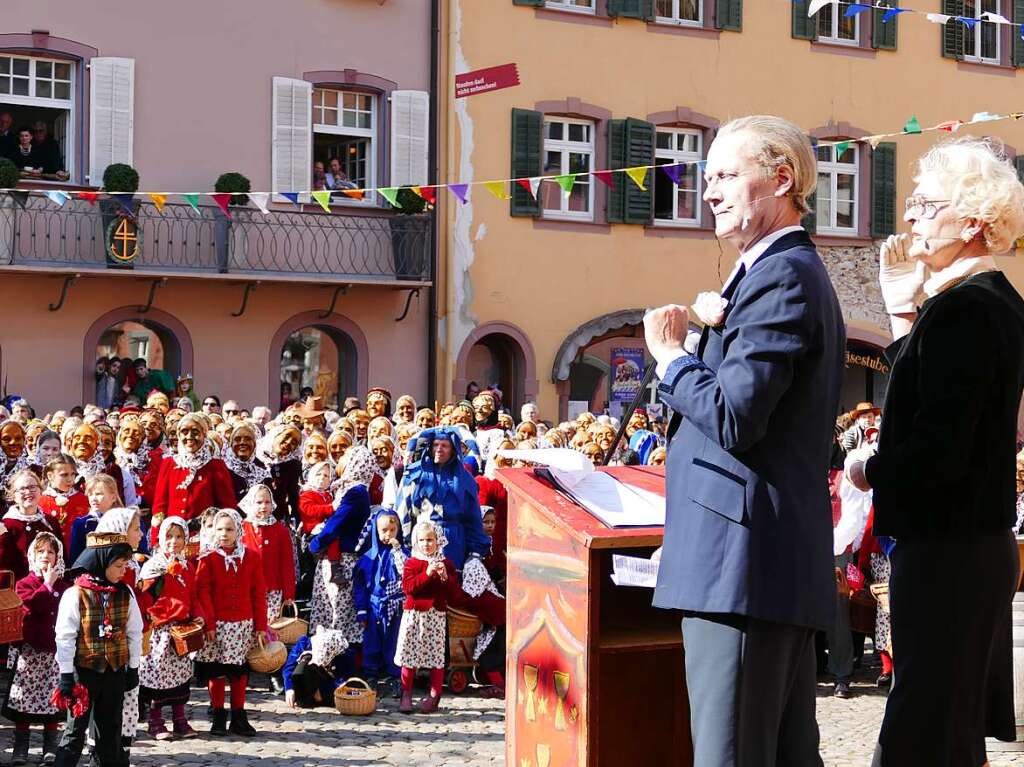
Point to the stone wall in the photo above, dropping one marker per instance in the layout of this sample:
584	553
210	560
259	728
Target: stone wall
854	273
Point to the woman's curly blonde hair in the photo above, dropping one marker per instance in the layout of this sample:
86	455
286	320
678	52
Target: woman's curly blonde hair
983	186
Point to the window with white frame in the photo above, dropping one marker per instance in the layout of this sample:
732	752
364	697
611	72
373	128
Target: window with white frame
344	141
981	44
39	94
684	12
568	148
834	26
583	6
838	187
678	203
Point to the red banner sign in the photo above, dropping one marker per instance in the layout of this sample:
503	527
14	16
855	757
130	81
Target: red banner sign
485	80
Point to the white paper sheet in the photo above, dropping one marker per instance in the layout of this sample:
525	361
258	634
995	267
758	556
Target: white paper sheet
634	571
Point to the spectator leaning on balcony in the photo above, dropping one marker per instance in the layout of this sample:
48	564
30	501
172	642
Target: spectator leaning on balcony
337	178
48	152
25	156
147	380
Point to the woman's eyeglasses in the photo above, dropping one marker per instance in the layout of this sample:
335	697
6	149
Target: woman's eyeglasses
922	207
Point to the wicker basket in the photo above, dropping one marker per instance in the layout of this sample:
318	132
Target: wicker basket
188	638
147	640
267	657
290	629
11	614
862	612
462	624
881	592
355	698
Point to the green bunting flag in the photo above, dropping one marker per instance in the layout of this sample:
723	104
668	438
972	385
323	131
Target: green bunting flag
566	182
390	193
193	200
912	126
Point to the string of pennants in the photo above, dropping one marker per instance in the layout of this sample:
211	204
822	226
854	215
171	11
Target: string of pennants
854	9
500	188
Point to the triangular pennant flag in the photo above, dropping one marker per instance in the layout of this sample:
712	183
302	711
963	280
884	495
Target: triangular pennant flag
950	126
125	201
355	194
291	196
938	18
967	21
390	193
428	193
222	199
1017	115
89	197
892	13
995	18
984	117
58	198
816	5
701	165
912	126
856	8
605	177
1022	31
460	191
497	188
260	200
841	148
19	197
535	185
674	172
322	197
193	200
874	140
158	200
567	182
638	175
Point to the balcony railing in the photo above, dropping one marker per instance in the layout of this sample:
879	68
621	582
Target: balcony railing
178	239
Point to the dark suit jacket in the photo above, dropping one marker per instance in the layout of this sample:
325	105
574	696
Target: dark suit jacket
749	521
945	462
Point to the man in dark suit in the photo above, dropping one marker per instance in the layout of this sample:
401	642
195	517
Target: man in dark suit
8	138
748	535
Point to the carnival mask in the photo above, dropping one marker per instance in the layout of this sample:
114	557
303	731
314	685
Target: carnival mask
84	442
463	415
130	435
286	442
361	421
425	419
12	440
376	404
594	452
378	426
483	407
151	424
243	445
604	437
32	434
505	421
159	401
191	437
405	410
384	452
636	422
339	442
106	441
314	451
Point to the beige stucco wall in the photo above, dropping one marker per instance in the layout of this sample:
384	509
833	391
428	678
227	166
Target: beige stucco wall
550	279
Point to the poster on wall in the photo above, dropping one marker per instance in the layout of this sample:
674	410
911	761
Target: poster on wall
576	407
627	373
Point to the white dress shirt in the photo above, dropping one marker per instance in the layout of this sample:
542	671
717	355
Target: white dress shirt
69	623
747	259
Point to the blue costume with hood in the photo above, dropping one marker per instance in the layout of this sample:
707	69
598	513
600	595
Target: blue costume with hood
643	443
377	590
450	487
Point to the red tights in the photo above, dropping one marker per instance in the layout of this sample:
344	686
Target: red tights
436	680
886	662
216	688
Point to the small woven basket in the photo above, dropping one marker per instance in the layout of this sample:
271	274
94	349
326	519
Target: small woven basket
147	637
462	624
267	657
290	629
11	614
881	593
355	698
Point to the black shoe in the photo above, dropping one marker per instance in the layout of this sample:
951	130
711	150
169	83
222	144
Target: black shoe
843	690
240	724
884	680
143	713
276	685
20	747
220	722
51	739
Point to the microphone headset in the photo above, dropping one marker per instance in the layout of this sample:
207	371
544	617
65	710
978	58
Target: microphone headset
746	218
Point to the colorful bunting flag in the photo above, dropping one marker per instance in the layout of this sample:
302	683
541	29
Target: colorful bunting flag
912	126
674	172
525	184
193	200
222	199
938	18
567	182
460	191
19	197
292	196
260	200
856	8
324	198
158	200
967	21
605	177
89	197
984	117
428	193
816	5
355	194
125	201
950	126
58	198
390	193
497	188
891	14
638	175
995	18
841	148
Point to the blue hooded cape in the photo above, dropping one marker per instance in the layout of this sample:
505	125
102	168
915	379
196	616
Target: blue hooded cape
378	596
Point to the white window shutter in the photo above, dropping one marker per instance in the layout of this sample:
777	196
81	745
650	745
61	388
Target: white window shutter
111	114
410	137
292	125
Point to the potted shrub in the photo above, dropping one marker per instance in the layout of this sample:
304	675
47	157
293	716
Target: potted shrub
9	178
409	251
237	186
118	178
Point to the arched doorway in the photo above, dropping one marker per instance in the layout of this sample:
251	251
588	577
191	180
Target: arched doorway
498	353
326	354
156	336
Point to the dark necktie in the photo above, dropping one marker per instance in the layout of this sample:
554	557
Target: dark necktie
730	289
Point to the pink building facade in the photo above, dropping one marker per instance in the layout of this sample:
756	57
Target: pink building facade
337	301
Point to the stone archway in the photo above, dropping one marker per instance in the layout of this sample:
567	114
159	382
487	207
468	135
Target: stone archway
513	363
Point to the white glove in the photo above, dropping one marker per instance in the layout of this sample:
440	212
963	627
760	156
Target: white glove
900	277
710	308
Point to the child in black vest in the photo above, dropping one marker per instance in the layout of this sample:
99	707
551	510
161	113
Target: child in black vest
99	640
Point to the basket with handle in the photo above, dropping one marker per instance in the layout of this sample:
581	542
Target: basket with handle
267	657
11	613
188	638
355	698
290	629
462	624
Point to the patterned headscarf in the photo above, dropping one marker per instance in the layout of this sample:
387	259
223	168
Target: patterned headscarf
161	561
248	506
20	463
251	471
360	469
424	526
37	543
231	559
192	461
312	470
265	447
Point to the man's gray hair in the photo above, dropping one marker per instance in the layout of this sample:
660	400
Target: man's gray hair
776	142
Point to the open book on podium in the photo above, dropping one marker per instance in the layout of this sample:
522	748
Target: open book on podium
595	673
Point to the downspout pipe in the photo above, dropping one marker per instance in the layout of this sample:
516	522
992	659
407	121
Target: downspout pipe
432	320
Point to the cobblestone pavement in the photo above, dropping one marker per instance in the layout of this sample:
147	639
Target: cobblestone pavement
468	732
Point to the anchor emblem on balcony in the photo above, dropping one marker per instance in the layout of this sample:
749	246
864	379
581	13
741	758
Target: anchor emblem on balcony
123	240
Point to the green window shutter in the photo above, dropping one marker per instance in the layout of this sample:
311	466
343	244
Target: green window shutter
639	203
810	221
729	15
804	27
953	30
527	145
883	190
615	209
536	3
883	34
1018	39
632	9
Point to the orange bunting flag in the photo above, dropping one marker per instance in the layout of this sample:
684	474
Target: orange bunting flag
497	188
158	200
355	194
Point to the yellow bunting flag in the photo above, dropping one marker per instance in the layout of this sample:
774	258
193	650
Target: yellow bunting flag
324	199
638	175
158	200
497	188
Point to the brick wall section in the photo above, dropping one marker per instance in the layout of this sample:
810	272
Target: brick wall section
854	273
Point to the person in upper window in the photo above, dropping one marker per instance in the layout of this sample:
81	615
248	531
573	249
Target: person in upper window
8	137
319	177
48	152
24	155
337	178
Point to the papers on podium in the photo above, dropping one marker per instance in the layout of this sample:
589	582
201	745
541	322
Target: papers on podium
634	571
615	503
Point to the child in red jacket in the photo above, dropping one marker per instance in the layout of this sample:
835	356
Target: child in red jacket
61	500
233	599
429	583
170	581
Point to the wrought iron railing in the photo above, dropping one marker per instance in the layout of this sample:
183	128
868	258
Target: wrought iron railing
328	247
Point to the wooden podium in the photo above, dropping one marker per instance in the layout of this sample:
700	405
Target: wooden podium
594	673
